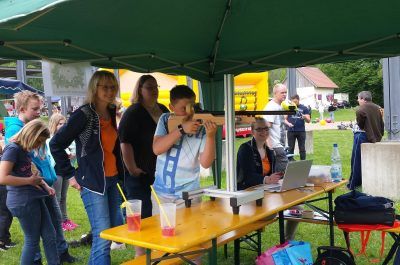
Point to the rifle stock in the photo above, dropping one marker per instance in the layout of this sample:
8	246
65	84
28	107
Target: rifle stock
219	117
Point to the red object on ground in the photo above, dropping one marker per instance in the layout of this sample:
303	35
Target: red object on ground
168	231
133	222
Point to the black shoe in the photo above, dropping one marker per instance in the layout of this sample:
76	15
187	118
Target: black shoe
67	258
37	262
3	247
86	239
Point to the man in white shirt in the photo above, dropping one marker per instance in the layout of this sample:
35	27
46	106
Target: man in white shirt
276	125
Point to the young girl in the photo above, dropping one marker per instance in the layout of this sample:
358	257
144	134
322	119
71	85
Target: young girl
56	121
26	192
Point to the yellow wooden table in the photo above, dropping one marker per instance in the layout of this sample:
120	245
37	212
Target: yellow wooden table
206	221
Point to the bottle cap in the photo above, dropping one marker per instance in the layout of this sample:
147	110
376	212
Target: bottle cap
334	145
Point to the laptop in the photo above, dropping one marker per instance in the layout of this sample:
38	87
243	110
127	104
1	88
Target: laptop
296	175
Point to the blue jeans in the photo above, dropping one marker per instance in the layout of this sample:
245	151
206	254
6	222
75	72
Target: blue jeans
56	220
35	221
104	212
356	176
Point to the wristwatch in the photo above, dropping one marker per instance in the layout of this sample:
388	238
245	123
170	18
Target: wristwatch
181	130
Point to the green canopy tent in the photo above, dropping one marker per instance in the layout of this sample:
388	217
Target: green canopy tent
203	39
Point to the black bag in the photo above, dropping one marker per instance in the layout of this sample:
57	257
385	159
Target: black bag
334	256
359	208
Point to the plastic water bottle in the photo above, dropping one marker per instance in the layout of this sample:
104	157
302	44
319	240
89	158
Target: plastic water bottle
336	166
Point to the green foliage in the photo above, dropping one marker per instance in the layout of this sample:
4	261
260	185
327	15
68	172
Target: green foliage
276	76
355	76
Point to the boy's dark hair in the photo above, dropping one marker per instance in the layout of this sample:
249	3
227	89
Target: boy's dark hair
295	97
181	92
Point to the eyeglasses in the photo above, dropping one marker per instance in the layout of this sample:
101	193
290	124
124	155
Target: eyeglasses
107	87
261	129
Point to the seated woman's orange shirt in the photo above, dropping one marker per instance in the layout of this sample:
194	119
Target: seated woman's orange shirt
266	166
108	138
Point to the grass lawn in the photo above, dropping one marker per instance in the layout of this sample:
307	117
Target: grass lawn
340	114
317	235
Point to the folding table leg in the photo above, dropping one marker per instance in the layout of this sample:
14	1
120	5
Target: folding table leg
213	252
236	251
281	227
148	256
330	210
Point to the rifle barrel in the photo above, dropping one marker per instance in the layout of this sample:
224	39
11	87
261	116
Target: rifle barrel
251	113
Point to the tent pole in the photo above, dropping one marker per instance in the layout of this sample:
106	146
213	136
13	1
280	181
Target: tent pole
391	93
291	77
230	132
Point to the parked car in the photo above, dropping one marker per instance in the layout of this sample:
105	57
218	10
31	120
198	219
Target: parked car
241	131
343	105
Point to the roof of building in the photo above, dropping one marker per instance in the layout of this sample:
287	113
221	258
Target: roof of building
317	77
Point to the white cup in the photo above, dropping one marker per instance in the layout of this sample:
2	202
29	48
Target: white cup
168	219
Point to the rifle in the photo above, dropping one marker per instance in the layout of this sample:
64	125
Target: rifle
219	116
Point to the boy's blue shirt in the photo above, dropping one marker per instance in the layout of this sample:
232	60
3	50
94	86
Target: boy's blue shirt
13	126
178	169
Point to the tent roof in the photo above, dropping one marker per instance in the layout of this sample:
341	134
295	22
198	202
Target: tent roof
204	39
10	87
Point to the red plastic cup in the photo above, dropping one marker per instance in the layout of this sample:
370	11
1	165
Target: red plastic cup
133	215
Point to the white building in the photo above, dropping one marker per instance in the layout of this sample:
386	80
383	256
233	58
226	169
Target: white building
314	87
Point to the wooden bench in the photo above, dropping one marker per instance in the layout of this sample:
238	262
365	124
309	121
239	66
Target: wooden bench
224	239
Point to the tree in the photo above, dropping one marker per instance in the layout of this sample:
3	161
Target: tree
355	76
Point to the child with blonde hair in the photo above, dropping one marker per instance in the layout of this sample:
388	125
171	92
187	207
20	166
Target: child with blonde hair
61	185
26	191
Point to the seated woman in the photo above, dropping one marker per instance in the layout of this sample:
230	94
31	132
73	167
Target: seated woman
256	164
255	161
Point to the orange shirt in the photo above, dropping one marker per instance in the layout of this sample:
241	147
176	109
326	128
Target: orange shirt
108	138
266	165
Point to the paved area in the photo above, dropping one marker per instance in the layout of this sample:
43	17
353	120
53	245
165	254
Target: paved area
327	126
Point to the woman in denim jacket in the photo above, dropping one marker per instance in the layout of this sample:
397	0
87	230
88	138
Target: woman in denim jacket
94	130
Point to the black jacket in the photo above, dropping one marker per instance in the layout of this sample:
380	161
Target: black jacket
249	165
83	127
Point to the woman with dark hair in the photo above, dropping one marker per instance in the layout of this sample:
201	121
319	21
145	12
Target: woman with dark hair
136	131
93	128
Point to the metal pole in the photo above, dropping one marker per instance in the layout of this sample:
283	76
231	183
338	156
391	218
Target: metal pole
230	132
21	71
391	93
291	77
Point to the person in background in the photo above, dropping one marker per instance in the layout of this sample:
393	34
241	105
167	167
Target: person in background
276	125
136	131
28	106
56	121
370	130
321	110
296	127
5	218
332	107
93	128
256	165
255	160
27	190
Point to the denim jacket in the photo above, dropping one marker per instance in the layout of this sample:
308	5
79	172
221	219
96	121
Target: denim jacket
249	165
83	127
